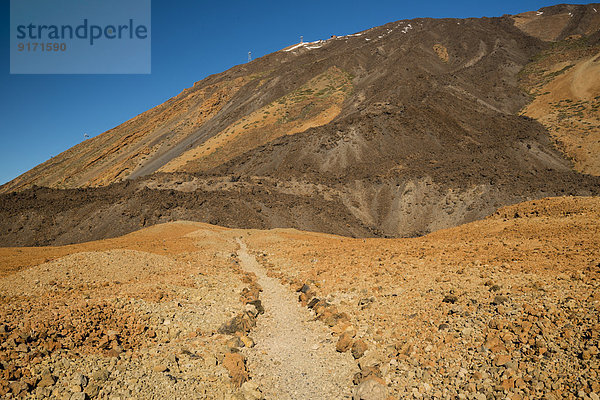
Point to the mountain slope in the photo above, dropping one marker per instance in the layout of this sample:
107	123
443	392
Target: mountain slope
565	83
402	129
559	22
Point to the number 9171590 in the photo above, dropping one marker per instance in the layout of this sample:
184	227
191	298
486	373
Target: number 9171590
47	47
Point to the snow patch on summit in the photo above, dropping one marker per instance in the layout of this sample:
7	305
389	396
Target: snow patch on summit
307	45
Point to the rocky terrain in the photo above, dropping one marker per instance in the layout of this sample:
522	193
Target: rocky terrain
411	211
137	316
396	131
506	307
563	81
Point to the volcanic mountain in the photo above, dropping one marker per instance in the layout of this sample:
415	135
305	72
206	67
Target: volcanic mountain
398	130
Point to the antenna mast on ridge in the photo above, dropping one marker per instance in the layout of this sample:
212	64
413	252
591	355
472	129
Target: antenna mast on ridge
249	56
301	39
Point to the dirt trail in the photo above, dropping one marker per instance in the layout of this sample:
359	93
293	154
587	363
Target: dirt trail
294	356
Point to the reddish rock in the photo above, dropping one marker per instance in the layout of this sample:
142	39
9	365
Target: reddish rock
250	294
236	366
344	342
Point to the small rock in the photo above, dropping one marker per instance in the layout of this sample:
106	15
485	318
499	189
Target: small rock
330	317
370	359
22	348
467	332
344	342
240	323
18	387
502	360
250	294
234	343
78	396
520	383
499	299
341	327
366	302
313	302
251	309
112	335
47	380
593	350
160	368
79	380
371	389
366	373
258	305
250	391
92	390
114	352
100	375
305	288
249	343
451	299
236	366
304	298
358	349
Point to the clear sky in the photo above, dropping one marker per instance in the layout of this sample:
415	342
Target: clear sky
43	115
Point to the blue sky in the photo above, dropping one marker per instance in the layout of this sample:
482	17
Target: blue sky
43	115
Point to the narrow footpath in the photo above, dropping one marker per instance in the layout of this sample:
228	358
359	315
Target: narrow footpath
294	356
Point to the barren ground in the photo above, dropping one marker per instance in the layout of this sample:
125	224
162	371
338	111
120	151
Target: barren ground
504	307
